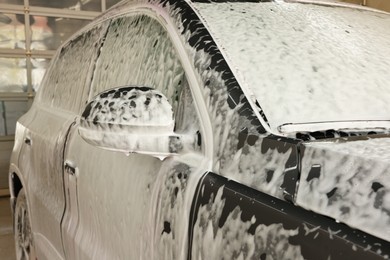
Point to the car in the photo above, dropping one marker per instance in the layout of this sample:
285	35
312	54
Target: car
210	130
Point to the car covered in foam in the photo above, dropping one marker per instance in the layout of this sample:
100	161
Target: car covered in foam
210	130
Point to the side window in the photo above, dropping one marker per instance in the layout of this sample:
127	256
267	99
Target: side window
64	85
186	112
138	51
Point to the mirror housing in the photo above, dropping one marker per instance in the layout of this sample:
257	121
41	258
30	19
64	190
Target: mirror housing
133	119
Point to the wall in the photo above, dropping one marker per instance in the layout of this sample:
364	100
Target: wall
5	148
378	4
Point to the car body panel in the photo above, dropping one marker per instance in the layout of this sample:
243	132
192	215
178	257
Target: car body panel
46	127
125	201
155	195
232	221
348	180
233	117
323	56
46	204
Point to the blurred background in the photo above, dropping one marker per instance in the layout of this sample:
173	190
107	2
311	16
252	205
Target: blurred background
377	4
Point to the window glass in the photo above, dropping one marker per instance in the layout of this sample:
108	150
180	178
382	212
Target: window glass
13	75
186	112
12	33
91	5
186	116
48	33
72	70
15	2
39	67
10	111
85	5
138	51
110	3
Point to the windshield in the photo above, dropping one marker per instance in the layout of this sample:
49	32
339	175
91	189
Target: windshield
306	63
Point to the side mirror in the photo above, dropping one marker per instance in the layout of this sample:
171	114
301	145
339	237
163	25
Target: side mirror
133	119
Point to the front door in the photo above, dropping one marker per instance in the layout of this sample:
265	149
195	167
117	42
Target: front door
133	206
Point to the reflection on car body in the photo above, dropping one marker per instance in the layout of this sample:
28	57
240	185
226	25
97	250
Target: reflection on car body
170	133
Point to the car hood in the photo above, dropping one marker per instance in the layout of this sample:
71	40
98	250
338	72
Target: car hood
348	179
304	62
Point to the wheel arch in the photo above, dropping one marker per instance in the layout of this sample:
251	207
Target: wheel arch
15	180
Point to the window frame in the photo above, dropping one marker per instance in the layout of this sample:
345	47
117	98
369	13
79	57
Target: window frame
83	100
192	79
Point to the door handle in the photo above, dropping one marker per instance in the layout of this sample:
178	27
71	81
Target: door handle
27	141
70	168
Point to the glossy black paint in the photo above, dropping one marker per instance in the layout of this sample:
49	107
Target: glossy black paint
330	240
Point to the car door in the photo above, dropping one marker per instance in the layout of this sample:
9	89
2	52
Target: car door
47	124
128	205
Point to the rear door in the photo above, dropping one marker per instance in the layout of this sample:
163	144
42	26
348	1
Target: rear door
47	123
134	206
